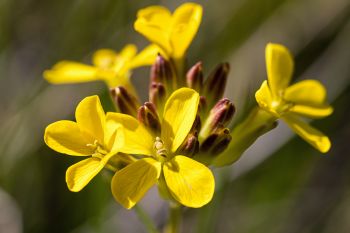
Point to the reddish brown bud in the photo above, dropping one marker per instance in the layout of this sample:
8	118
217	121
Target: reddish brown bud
220	116
147	115
194	77
222	113
190	146
215	84
213	145
161	72
125	101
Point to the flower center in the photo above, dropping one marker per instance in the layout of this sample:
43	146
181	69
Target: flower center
280	106
99	150
161	152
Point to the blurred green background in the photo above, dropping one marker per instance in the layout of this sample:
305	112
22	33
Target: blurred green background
281	184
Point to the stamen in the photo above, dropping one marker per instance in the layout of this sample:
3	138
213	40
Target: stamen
94	145
99	150
159	147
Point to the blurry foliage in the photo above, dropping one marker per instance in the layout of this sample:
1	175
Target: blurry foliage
295	190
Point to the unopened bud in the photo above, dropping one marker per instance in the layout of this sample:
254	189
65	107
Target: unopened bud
190	146
213	145
161	72
215	84
157	95
220	116
194	77
125	101
147	115
222	112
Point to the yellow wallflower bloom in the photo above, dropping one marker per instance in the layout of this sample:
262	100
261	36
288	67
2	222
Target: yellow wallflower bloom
90	136
188	181
172	32
108	65
306	98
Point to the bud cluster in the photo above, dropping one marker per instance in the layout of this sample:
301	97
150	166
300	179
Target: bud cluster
210	134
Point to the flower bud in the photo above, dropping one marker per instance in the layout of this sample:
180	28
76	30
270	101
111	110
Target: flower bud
213	145
147	115
220	116
194	77
157	95
215	84
190	146
161	72
125	101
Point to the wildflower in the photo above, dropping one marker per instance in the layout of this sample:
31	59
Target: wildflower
186	180
171	32
91	135
109	66
306	98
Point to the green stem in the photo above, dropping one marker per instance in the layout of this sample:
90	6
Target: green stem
145	219
175	213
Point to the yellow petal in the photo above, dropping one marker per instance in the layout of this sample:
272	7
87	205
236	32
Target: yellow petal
154	23
309	97
114	136
104	58
131	183
311	111
137	140
306	92
179	114
70	72
91	118
185	24
263	96
190	182
128	52
313	136
80	174
65	137
146	57
279	65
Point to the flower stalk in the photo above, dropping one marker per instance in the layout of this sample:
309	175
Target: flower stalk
174	222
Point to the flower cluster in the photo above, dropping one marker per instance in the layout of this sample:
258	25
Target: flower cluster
185	126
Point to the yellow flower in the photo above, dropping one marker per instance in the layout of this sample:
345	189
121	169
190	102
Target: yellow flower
306	98
90	136
109	66
172	32
188	181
